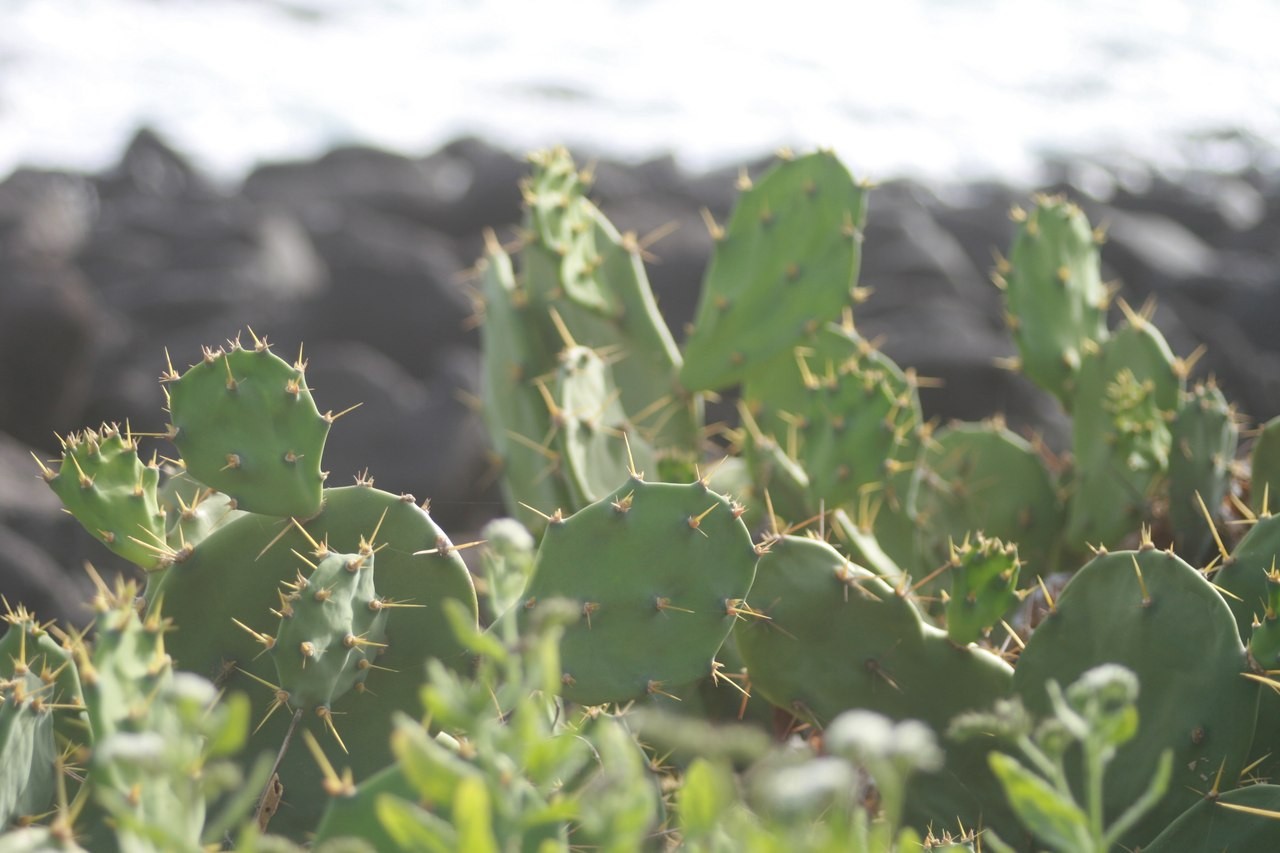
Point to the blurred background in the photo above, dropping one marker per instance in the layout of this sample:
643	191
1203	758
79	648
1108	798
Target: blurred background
172	172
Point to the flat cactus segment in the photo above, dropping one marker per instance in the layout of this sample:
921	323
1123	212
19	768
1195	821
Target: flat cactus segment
658	571
332	625
982	477
1240	819
984	587
590	426
1264	487
28	749
835	637
193	510
786	263
1128	391
1205	437
236	574
576	264
1054	296
516	358
1243	577
112	493
851	418
1154	614
246	425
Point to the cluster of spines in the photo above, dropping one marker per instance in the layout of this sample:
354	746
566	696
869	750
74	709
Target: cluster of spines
102	482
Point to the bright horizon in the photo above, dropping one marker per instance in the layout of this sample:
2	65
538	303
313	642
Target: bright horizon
924	88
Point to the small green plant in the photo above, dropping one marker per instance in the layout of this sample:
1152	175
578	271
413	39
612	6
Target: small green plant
1096	715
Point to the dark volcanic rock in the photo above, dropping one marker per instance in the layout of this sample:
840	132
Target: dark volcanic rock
48	320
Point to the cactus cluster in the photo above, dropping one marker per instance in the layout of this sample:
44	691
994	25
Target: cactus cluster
858	586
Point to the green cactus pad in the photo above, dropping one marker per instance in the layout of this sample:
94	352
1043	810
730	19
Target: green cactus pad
657	571
576	264
834	636
1055	300
38	677
984	587
1264	641
590	425
1265	484
515	358
106	487
1243	575
332	625
1230	820
851	419
1205	436
786	263
1151	612
192	510
236	574
1127	393
246	425
982	477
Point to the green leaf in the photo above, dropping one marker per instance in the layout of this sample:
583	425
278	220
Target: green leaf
705	796
463	623
233	729
413	828
473	817
1054	818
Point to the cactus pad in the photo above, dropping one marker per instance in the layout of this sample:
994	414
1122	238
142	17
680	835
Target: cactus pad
1204	436
836	637
786	263
1054	296
982	477
658	571
246	425
1151	612
106	487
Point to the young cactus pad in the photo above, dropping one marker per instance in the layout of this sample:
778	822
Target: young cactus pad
235	575
575	263
1055	300
659	572
1151	612
984	587
590	426
1204	436
246	425
516	357
106	487
982	477
786	263
1128	390
836	637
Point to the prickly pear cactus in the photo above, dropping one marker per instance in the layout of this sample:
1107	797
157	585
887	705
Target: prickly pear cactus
1128	391
831	636
592	436
1239	819
982	477
786	263
39	679
192	510
984	587
659	572
1204	436
1264	488
246	425
245	574
851	419
516	359
1154	614
577	265
112	493
1055	300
